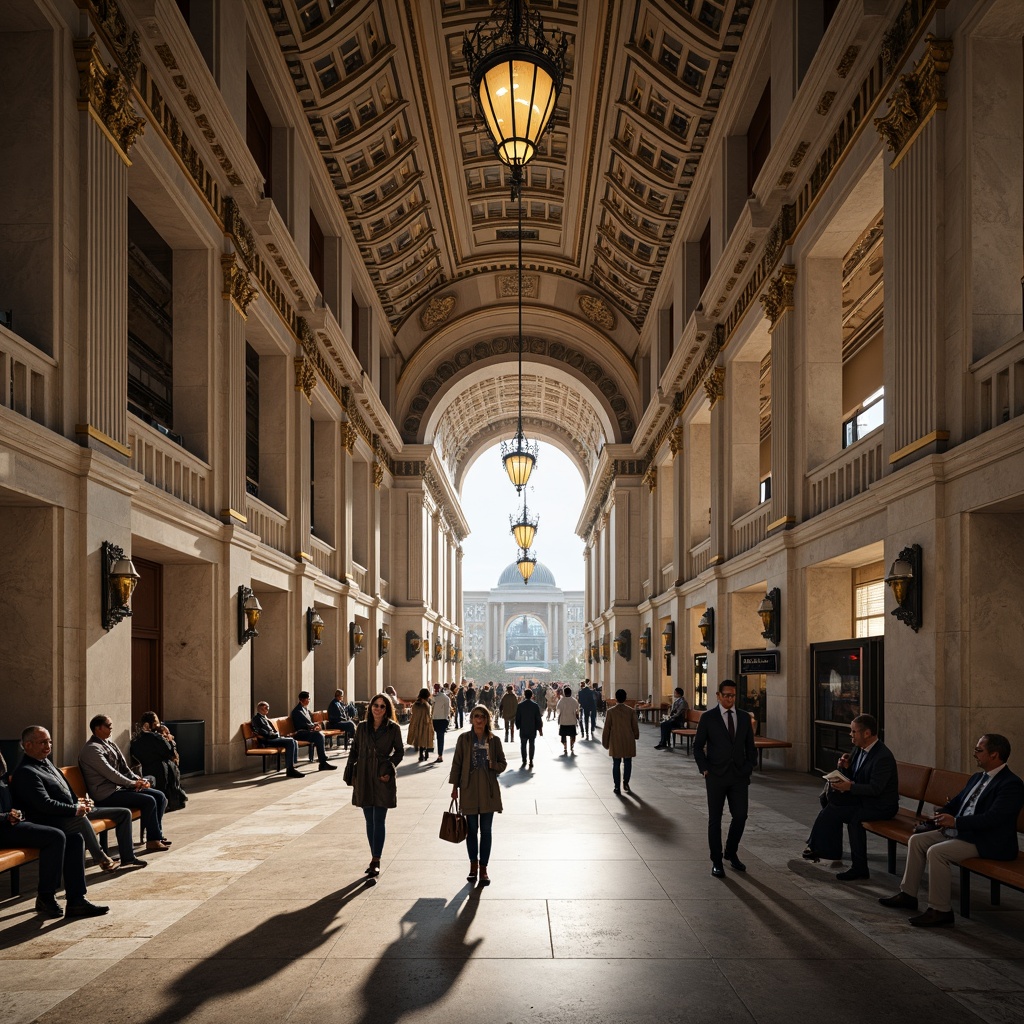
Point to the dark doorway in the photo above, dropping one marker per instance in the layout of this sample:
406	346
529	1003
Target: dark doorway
147	620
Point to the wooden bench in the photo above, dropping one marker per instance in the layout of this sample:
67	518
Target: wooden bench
12	860
330	733
690	730
998	872
940	786
645	710
254	747
761	743
286	727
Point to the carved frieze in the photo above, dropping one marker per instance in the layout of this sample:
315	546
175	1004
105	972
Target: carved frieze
508	286
348	436
238	287
106	94
846	61
917	97
825	103
675	440
305	378
714	385
596	310
778	296
437	312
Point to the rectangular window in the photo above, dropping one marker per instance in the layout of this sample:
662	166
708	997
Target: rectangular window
316	251
704	257
759	136
252	421
869	609
259	136
765	489
870	416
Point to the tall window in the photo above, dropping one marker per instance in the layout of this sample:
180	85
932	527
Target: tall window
869	609
704	256
259	136
252	421
759	136
868	417
316	251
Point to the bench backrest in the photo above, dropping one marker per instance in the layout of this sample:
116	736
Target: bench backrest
943	786
73	774
285	726
693	717
913	780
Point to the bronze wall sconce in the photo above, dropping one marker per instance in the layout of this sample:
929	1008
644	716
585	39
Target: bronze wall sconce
904	580
355	638
118	579
413	644
605	648
314	629
668	638
645	642
624	644
249	611
770	610
707	629
383	642
438	649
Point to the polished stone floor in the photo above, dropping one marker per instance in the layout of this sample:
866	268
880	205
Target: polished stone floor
601	909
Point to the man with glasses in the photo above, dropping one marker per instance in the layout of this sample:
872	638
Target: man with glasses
868	791
308	730
268	736
111	783
980	821
724	751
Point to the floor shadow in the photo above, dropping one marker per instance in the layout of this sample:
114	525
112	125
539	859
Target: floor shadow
233	968
647	818
384	1002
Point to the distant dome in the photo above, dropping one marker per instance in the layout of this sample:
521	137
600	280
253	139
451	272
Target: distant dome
541	574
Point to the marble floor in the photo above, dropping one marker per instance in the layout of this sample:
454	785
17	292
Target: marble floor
601	909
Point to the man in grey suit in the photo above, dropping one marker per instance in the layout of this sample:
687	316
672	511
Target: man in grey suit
869	792
724	751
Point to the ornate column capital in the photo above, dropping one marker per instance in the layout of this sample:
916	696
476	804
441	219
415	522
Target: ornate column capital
238	288
675	440
916	98
106	94
348	438
305	378
651	478
714	385
778	295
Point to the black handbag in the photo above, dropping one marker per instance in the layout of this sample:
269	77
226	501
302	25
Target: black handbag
453	824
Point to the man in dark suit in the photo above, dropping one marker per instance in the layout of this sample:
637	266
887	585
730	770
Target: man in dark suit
268	736
530	723
980	821
306	729
724	751
869	792
39	789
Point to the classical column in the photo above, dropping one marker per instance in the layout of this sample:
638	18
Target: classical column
714	386
109	127
914	257
677	481
778	306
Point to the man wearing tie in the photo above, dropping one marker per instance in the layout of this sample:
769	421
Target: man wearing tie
980	821
869	792
724	751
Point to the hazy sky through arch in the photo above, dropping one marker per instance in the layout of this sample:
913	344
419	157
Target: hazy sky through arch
555	493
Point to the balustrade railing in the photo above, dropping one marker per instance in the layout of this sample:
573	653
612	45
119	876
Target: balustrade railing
27	380
267	523
846	475
999	386
322	554
168	466
749	529
700	555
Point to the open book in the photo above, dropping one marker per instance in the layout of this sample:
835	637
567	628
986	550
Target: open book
834	776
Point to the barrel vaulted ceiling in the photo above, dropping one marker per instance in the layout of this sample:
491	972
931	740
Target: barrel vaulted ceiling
385	88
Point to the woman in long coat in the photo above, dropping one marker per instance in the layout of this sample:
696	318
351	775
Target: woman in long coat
618	736
372	759
479	760
421	730
154	748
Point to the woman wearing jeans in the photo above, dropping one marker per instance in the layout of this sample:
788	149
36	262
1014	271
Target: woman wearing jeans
376	751
479	760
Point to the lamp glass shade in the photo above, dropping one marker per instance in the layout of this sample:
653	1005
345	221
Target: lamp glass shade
517	96
385	642
524	532
123	577
253	609
767	611
316	625
645	643
900	588
519	462
358	636
526	565
703	626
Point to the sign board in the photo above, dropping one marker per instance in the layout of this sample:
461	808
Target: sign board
754	663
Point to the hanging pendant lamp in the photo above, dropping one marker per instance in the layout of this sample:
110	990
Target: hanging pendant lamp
526	564
524	529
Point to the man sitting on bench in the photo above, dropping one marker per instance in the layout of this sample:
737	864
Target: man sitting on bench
675	719
268	736
339	715
306	729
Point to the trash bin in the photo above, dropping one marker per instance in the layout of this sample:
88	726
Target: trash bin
190	735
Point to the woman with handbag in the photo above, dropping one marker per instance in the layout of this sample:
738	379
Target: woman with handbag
370	771
479	760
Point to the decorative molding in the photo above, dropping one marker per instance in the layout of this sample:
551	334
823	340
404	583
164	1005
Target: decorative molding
846	61
825	103
348	438
778	296
94	433
305	378
675	440
378	474
714	385
936	437
508	286
596	310
106	94
651	478
918	96
238	289
799	153
437	311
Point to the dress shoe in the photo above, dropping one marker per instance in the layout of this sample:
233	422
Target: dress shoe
531	764
47	906
737	863
933	918
902	901
293	773
617	791
109	867
625	786
326	766
853	875
523	767
438	760
135	862
661	746
810	855
717	871
156	846
83	908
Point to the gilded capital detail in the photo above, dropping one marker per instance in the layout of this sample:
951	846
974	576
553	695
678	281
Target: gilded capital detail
106	95
348	437
651	478
305	378
916	98
778	295
238	288
675	440
714	385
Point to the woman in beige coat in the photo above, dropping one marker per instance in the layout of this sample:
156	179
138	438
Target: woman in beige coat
619	735
421	729
479	760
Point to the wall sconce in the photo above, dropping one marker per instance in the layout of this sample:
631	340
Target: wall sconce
668	638
624	644
770	610
355	638
118	579
451	653
426	646
904	580
707	630
383	642
458	655
438	649
413	644
249	611
605	648
645	642
314	629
